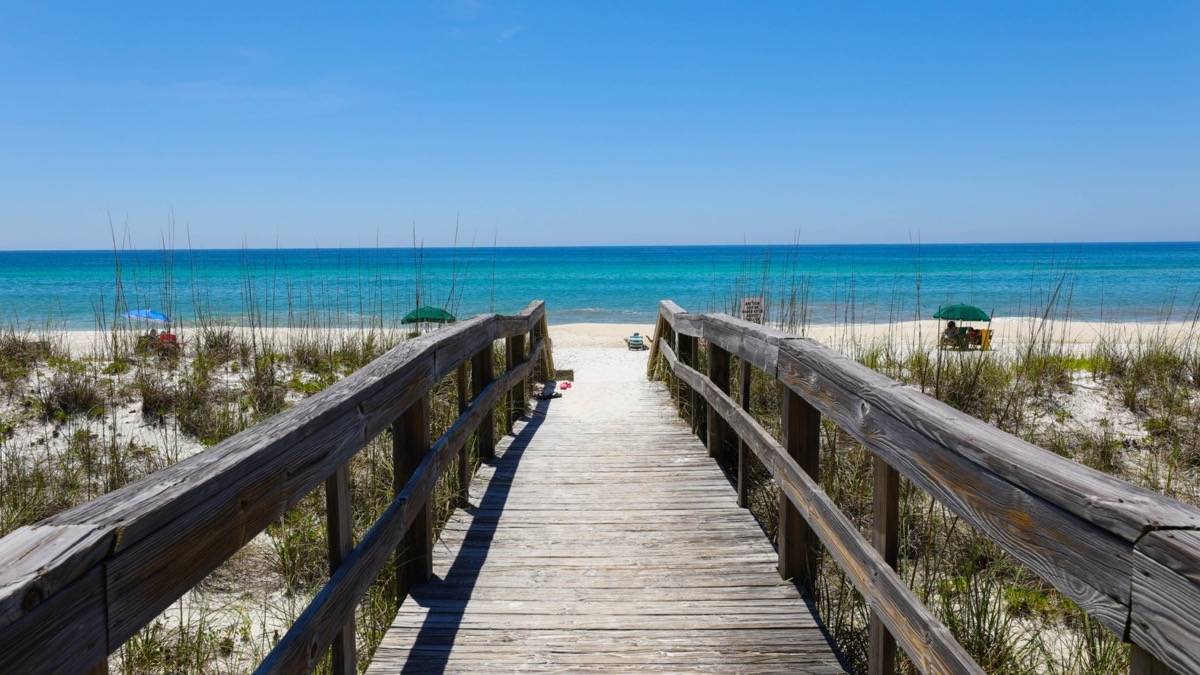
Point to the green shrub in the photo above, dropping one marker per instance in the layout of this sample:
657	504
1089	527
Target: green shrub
118	366
19	353
203	411
158	397
69	394
217	345
262	387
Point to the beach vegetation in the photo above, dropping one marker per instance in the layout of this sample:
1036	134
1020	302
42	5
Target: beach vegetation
264	391
217	345
20	352
71	393
156	393
118	366
1126	406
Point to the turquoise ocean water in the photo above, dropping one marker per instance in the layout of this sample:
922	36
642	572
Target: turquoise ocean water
863	283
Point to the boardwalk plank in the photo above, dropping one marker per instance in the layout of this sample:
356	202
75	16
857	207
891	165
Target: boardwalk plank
604	539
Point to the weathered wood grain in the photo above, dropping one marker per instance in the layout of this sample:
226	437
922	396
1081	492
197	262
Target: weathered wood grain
926	641
660	325
154	539
885	536
302	646
1105	500
410	443
542	334
688	350
799	547
520	324
1165	617
743	480
1074	526
571	559
340	533
1084	561
462	382
44	643
518	397
718	374
482	374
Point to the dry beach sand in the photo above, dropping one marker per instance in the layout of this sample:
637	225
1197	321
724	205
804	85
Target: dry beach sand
1010	333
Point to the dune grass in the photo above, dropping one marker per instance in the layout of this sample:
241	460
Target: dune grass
1128	406
66	436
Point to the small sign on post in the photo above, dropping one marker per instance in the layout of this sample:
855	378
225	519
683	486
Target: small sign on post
752	310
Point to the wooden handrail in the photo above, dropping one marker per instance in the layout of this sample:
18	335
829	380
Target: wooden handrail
1128	556
926	640
75	586
304	644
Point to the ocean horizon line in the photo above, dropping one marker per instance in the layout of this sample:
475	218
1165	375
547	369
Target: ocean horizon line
521	247
1088	280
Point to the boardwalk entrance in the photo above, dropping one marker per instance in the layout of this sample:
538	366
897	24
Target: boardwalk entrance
603	537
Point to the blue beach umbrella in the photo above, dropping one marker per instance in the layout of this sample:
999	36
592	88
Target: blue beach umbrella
148	315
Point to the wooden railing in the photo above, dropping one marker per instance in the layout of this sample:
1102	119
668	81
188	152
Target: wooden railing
1127	556
75	587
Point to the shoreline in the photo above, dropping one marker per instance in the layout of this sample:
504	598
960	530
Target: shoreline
1009	333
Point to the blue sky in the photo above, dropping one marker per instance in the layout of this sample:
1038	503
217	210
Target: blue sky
598	123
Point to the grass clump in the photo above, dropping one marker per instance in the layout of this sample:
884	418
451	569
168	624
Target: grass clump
118	366
70	394
218	345
203	410
19	353
156	394
262	387
299	551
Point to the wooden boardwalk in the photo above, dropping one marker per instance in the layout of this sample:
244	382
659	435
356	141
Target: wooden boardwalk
603	538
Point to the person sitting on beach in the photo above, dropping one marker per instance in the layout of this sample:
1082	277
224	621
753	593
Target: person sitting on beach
951	332
167	339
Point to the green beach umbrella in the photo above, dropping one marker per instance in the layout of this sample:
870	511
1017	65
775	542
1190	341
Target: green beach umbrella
961	312
428	315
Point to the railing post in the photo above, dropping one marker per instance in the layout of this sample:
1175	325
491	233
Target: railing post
1142	662
482	374
743	482
686	349
340	534
798	544
547	348
410	442
885	536
718	373
515	356
464	455
659	333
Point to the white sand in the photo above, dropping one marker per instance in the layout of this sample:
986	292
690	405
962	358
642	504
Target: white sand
1009	332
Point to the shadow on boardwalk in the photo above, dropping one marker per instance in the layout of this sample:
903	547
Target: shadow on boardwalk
453	593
